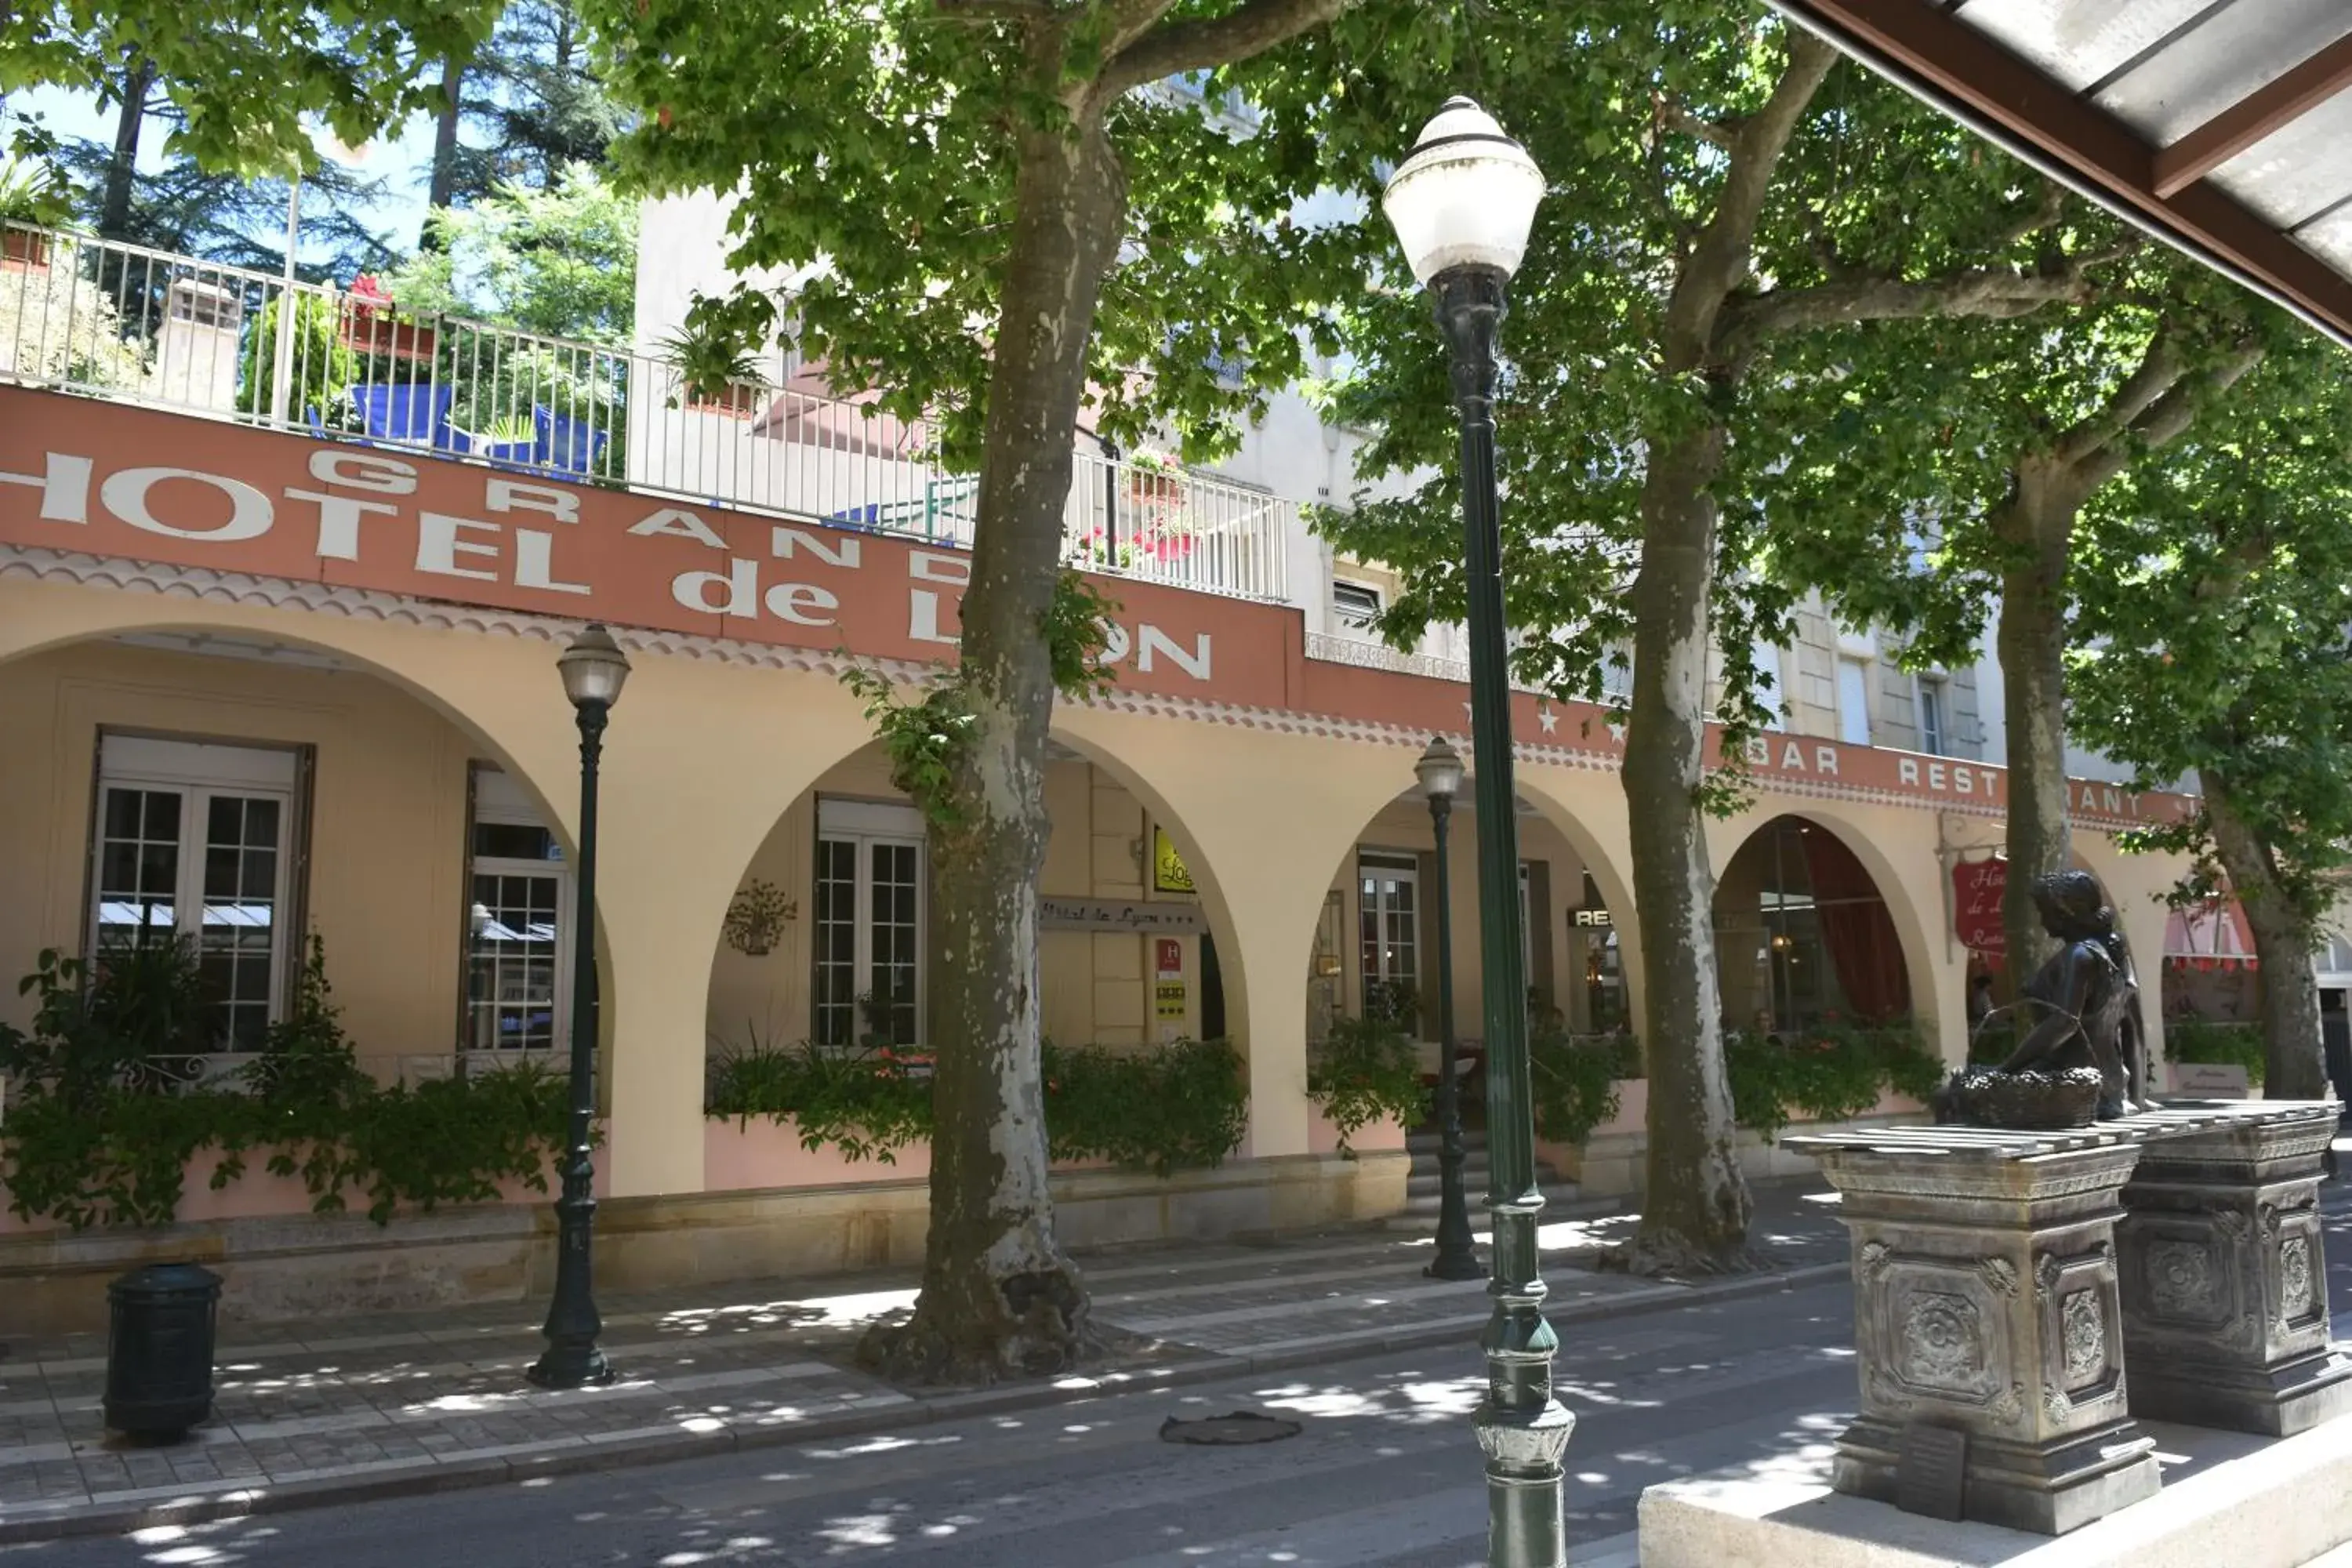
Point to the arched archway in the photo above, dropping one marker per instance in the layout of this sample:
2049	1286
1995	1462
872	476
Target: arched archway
1602	953
246	780
1812	926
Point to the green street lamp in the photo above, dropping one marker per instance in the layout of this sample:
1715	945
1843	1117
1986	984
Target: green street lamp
594	668
1440	772
1462	204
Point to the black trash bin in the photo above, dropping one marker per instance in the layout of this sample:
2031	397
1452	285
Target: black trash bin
159	1350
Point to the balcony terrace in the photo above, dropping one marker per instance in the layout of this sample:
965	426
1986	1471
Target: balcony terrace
95	317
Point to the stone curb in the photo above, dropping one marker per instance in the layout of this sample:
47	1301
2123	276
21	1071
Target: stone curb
426	1476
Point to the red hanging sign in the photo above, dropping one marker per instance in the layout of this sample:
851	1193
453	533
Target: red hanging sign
1976	889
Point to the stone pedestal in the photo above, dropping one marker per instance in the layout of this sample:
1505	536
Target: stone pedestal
1986	1300
2224	1281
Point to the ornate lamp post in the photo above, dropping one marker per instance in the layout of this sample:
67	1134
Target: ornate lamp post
1440	770
594	668
1462	206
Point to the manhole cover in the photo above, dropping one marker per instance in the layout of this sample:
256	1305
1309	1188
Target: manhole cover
1241	1426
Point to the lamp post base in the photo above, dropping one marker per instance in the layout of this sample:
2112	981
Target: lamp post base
570	1366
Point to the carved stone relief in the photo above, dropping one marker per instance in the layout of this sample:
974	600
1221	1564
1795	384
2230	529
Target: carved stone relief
2294	1278
1943	1342
2084	1335
2182	1281
2000	1273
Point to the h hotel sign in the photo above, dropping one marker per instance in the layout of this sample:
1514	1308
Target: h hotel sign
112	480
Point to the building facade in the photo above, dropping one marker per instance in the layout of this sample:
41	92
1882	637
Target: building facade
265	684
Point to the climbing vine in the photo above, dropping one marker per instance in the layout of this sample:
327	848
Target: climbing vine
926	736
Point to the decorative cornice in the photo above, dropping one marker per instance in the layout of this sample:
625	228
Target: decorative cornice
23	564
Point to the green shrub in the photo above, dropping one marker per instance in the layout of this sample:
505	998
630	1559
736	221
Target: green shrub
1575	1081
1827	1072
864	1102
1367	1069
1180	1106
1177	1106
323	366
2221	1045
100	1131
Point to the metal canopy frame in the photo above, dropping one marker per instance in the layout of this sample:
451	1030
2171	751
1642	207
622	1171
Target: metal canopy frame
1923	47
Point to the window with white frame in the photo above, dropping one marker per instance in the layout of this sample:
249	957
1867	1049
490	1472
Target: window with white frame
1854	702
1356	605
870	910
192	841
518	942
1389	928
1768	684
1934	737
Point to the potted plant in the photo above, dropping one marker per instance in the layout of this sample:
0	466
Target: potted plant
756	917
368	325
715	372
32	197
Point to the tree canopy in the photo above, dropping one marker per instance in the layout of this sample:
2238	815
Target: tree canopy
242	75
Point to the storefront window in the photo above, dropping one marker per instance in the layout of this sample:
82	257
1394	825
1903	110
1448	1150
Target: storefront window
1387	919
867	982
191	842
518	950
1802	935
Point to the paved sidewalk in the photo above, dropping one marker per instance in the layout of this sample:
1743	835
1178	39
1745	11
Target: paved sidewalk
425	1401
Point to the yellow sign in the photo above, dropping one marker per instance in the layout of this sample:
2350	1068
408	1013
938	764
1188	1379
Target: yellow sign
1169	872
1169	1000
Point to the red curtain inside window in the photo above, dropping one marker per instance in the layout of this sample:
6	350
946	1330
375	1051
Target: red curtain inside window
1857	929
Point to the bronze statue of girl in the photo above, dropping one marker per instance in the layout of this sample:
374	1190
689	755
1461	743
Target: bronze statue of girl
2088	996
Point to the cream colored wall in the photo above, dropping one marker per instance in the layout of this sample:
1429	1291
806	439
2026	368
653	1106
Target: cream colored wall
387	818
704	764
1402	827
1096	987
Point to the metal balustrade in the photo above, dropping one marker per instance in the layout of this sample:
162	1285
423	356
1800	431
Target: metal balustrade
164	331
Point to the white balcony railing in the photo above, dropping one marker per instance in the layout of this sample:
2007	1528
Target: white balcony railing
171	331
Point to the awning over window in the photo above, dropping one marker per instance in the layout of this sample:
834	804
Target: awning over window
2211	936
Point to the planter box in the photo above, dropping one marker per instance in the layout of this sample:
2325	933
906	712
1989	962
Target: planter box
741	403
363	330
258	1195
24	251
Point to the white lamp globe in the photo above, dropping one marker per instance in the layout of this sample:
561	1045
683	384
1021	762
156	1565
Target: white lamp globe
592	667
1466	197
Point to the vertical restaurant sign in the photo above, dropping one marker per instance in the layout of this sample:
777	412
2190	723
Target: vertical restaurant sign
1976	889
110	479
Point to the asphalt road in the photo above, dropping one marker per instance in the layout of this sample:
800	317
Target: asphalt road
1385	1472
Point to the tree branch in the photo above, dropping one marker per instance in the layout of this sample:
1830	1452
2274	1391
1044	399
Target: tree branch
2170	415
1720	262
1997	292
1198	43
994	10
2161	366
1673	114
2045	212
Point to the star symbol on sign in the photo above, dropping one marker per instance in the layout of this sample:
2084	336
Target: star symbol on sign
1617	731
1548	718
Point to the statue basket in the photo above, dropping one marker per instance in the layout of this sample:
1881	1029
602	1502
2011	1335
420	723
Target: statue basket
2025	1101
